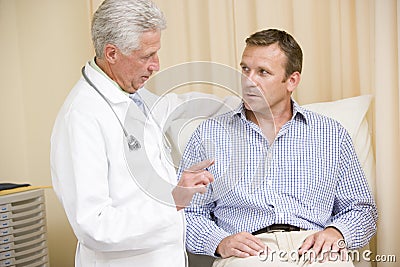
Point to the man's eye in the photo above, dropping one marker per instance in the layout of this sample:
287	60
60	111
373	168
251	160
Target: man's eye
245	69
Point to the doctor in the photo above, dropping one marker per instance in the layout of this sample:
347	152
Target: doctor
116	221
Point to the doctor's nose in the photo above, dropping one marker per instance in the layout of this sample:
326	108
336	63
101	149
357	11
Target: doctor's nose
154	64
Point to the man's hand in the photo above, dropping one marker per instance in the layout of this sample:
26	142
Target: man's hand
240	245
193	180
326	240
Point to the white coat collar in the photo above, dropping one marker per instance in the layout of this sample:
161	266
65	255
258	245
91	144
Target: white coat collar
105	86
115	95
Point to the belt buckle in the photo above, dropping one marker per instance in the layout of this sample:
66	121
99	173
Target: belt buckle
271	230
276	231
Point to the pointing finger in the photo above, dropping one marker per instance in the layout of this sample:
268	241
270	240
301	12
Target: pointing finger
201	165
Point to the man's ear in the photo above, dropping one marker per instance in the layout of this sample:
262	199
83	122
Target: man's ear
111	53
293	81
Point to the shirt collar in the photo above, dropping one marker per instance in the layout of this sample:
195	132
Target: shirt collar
298	111
240	111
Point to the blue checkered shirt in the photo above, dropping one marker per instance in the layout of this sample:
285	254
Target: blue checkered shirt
308	177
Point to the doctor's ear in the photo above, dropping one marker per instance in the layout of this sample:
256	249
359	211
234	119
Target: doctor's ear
110	53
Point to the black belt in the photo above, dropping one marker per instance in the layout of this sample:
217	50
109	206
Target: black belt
277	228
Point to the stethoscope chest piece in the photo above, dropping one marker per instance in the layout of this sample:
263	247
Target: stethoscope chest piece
133	143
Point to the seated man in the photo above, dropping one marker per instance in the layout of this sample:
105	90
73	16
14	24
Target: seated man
286	179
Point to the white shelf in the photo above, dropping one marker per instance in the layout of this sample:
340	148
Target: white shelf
23	238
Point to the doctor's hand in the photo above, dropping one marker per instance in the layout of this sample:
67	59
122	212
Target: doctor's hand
193	180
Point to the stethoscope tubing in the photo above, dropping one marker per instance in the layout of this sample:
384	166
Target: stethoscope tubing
133	143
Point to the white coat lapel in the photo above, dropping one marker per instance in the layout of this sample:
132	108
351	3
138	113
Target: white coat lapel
145	164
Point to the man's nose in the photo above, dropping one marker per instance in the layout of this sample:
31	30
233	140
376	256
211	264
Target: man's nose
248	80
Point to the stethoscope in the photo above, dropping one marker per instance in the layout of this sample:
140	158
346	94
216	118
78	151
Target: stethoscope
133	143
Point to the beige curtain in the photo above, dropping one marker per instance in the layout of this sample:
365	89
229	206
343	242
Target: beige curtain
387	123
351	47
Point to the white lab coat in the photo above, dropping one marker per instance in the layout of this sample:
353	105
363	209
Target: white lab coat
118	202
115	221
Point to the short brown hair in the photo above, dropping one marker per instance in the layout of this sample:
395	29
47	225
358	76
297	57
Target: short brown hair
286	43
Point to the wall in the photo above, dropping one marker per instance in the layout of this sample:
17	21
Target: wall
44	43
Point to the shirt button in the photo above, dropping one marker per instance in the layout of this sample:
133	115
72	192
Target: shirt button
269	182
281	215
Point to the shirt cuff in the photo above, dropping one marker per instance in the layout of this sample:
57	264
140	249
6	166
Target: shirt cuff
215	237
345	231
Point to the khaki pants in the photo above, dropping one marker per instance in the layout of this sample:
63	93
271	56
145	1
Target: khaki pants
283	253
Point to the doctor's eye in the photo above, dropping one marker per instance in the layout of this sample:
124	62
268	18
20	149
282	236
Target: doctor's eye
147	57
